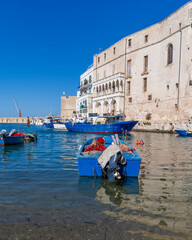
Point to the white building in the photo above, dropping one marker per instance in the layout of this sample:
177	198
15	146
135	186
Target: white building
85	93
148	74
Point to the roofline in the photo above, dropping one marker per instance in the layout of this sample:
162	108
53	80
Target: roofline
146	27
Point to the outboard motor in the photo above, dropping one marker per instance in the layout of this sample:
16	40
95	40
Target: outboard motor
3	133
114	169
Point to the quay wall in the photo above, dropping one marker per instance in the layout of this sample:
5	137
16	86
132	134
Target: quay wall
18	120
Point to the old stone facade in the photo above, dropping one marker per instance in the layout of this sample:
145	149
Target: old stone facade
148	75
68	106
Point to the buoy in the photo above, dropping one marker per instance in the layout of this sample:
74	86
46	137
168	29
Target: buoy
137	142
141	142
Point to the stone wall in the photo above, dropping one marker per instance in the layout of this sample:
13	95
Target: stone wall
68	106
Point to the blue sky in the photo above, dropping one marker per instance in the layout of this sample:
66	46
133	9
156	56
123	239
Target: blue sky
46	45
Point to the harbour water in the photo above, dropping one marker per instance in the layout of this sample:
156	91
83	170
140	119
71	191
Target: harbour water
42	196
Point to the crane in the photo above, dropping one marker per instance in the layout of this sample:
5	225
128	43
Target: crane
19	111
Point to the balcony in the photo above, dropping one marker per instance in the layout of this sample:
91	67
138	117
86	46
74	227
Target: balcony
85	85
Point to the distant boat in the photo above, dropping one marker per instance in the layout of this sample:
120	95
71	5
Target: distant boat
37	122
50	120
113	124
11	138
108	158
184	132
59	126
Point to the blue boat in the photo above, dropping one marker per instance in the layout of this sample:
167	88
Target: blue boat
184	132
113	124
12	138
50	120
89	163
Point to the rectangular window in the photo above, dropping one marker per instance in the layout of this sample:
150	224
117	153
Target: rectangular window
104	56
104	73
129	68
149	97
146	38
90	79
98	59
130	100
129	43
128	88
145	64
144	84
114	50
89	90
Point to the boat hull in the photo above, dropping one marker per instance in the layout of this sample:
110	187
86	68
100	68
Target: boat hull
184	132
59	126
88	164
117	127
12	140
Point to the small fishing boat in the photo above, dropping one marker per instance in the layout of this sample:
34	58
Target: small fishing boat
184	132
108	157
50	120
11	138
113	124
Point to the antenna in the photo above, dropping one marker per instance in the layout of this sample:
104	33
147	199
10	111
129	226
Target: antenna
18	110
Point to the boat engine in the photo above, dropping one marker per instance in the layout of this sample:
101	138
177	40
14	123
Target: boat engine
3	133
114	169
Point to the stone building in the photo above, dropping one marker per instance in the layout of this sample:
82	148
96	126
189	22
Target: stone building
148	74
68	106
85	93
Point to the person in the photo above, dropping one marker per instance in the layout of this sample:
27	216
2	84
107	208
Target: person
28	122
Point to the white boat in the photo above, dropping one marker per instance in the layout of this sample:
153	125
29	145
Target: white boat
37	122
59	126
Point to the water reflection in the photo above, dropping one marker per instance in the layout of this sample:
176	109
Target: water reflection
108	192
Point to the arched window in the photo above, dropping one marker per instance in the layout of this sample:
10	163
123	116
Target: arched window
170	54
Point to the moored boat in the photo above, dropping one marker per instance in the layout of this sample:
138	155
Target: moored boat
59	126
184	132
11	138
112	159
113	124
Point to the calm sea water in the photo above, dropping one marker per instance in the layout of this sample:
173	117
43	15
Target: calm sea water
42	196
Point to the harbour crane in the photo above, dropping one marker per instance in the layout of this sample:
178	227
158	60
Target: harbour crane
18	110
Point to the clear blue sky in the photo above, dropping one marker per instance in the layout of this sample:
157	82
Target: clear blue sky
46	45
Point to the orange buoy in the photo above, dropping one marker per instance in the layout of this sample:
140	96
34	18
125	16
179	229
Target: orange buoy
137	142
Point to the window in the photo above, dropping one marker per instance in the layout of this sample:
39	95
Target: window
114	50
145	64
98	59
129	43
190	82
149	97
104	56
144	84
128	88
104	73
130	100
129	68
170	54
90	79
167	87
146	38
